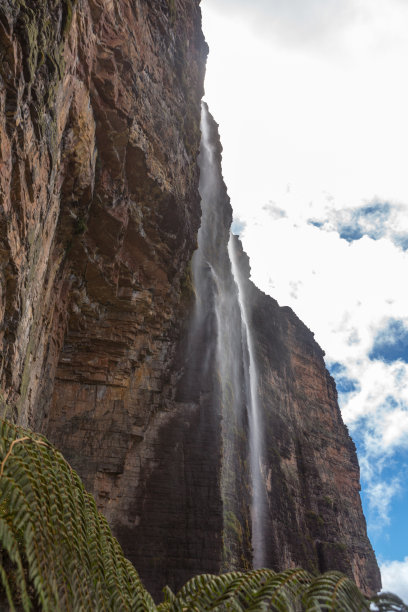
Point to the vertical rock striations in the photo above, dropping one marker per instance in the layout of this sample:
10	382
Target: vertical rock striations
36	94
99	143
100	112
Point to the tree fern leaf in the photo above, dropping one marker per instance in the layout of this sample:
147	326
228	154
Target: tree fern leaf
335	591
275	596
169	596
10	545
193	586
7	589
388	602
73	561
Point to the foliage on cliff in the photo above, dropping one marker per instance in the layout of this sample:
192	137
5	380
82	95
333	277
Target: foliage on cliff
41	26
58	553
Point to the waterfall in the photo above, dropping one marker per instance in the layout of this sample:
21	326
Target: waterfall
222	344
255	437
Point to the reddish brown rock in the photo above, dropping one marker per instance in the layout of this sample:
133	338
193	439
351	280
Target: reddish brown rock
310	468
100	111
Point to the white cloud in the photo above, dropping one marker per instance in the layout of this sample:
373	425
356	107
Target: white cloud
374	219
274	211
394	576
318	122
380	496
348	289
305	22
383	393
318	23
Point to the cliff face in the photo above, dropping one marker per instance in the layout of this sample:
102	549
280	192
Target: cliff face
99	142
309	462
100	110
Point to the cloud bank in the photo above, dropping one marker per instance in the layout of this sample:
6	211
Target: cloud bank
311	24
304	22
395	577
375	220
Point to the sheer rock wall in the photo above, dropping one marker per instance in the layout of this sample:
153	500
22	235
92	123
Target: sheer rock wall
100	132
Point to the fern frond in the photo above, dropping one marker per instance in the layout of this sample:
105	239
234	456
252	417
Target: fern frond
334	591
192	589
169	596
255	590
7	589
281	592
388	602
60	549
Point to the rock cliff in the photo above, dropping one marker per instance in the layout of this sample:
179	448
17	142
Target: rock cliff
309	462
100	111
100	208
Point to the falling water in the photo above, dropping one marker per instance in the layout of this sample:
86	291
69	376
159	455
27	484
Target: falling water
255	438
221	336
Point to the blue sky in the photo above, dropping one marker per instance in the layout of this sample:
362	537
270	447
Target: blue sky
391	343
311	100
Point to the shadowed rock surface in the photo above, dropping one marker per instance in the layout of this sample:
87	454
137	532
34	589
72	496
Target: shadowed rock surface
99	143
309	464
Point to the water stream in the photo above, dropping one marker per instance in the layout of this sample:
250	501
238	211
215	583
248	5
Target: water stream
254	416
221	314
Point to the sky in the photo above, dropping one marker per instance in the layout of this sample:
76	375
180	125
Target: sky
312	101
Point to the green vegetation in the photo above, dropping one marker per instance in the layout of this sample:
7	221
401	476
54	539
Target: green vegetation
80	226
328	501
57	550
58	554
188	291
42	27
315	517
172	10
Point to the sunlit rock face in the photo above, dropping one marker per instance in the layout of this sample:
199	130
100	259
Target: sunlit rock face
100	112
103	344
